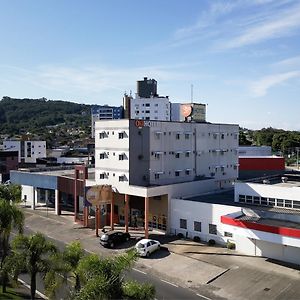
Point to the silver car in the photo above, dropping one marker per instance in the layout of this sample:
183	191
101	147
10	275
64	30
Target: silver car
145	247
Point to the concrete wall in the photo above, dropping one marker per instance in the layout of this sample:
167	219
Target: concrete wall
139	153
266	190
34	179
206	213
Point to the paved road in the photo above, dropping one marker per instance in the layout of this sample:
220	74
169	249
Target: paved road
164	289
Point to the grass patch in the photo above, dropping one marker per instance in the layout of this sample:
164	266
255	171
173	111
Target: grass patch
10	294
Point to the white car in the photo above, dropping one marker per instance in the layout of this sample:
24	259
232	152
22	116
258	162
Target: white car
145	247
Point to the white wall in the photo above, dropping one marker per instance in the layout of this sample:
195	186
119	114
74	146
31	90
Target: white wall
28	193
206	213
159	108
266	190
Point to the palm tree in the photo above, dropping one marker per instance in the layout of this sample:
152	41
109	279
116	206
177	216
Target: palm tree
103	278
10	217
31	253
10	193
64	268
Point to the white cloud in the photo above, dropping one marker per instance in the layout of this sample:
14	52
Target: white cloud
233	24
89	81
261	86
278	25
289	62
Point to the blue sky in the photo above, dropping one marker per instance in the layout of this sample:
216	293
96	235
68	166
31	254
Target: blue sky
242	57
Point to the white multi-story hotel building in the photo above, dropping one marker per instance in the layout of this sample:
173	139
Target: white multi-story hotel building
29	151
154	153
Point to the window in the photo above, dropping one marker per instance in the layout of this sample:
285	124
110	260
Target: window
271	202
187	154
280	202
256	200
187	172
242	198
197	226
249	199
102	155
263	201
177	136
222	136
177	155
147	111
156	176
288	203
147	104
177	173
102	176
212	229
183	223
122	178
147	118
101	135
156	104
228	234
296	204
187	136
121	135
121	156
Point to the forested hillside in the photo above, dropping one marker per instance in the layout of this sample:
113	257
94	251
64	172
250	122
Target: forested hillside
47	119
280	140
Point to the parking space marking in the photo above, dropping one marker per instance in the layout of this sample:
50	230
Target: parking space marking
203	296
137	270
169	282
28	286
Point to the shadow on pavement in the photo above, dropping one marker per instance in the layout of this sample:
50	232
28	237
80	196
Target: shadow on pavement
284	264
219	254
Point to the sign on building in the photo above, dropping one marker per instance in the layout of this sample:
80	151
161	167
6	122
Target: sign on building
193	112
98	195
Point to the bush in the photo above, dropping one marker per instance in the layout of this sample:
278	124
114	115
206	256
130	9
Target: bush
231	245
197	239
180	235
211	242
139	291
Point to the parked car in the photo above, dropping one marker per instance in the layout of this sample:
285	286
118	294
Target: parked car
145	247
113	238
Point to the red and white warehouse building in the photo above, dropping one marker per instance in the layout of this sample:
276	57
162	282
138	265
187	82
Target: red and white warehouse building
262	218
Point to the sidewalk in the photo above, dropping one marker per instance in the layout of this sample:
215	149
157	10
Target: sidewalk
222	273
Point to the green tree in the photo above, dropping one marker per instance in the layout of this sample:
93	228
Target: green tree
103	278
10	217
64	269
32	254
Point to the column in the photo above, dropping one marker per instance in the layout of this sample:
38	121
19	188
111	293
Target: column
75	194
112	211
47	198
126	212
146	217
34	195
85	216
97	213
56	203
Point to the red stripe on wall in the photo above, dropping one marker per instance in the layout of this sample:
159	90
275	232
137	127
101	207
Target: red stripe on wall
292	232
261	163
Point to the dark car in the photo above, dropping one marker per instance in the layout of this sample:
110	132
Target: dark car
113	238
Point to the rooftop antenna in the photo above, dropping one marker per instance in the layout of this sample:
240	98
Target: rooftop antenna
192	96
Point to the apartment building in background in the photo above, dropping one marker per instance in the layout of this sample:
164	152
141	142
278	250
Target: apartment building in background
28	151
105	112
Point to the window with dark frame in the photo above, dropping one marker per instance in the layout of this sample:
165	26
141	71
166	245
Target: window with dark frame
183	223
197	226
212	229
